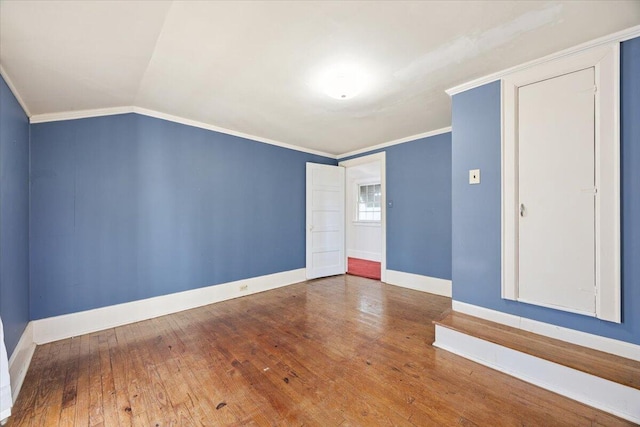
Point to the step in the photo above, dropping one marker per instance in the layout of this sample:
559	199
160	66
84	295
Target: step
596	378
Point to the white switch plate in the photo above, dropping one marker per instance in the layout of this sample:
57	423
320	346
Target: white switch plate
474	176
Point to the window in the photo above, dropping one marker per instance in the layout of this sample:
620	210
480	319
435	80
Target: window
369	202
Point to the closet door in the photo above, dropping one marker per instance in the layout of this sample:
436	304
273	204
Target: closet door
556	191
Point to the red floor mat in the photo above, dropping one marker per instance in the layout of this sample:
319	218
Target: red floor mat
363	268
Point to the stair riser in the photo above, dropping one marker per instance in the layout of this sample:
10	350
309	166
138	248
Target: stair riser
591	390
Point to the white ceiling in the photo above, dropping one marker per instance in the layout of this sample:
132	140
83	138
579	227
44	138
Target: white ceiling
253	67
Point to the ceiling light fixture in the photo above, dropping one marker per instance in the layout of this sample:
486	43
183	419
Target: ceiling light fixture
343	82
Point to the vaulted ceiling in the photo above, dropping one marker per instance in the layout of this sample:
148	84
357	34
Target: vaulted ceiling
254	67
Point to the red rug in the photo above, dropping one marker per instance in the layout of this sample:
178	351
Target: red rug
363	268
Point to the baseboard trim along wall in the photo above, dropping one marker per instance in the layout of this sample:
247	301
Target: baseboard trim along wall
596	342
21	359
56	328
369	256
419	282
84	322
606	395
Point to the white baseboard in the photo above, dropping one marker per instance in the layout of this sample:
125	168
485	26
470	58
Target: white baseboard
606	395
370	256
418	282
20	360
596	342
4	416
84	322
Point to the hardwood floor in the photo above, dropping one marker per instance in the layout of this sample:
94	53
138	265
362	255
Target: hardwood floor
338	351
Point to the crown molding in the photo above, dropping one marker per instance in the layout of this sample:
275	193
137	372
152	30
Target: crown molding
13	89
620	36
396	142
194	123
100	112
79	114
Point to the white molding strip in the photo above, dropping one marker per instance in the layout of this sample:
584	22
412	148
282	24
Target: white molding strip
79	114
419	282
194	123
606	395
395	142
84	322
369	256
620	36
596	342
99	112
13	89
21	359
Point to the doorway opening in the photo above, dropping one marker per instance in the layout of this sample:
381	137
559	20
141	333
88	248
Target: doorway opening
365	216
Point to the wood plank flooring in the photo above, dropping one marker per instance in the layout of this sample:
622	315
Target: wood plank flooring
343	351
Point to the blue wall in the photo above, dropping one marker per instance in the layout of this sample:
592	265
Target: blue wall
14	217
419	223
476	208
128	207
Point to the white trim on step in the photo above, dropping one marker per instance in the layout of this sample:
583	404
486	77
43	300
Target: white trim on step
419	282
596	342
84	322
603	394
369	256
20	360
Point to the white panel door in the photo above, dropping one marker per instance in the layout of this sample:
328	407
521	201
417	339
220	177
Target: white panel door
556	178
325	220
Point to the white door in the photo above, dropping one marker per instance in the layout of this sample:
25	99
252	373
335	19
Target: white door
556	178
325	220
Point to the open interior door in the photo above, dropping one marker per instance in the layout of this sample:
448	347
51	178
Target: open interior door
325	220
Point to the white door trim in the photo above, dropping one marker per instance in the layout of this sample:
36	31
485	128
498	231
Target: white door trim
605	59
382	158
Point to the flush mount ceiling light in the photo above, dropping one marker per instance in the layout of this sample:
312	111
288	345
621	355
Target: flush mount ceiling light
343	82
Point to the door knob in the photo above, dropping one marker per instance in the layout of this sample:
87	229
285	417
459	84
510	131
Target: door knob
522	209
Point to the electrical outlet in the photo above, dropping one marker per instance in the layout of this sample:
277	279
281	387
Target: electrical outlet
244	287
474	176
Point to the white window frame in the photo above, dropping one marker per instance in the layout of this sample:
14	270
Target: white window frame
357	219
606	61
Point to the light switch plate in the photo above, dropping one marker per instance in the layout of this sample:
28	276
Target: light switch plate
474	176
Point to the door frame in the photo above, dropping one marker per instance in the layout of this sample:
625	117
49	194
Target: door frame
382	158
606	61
